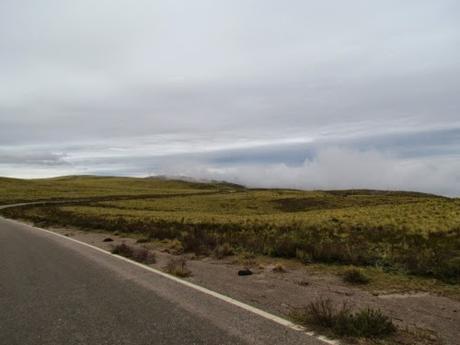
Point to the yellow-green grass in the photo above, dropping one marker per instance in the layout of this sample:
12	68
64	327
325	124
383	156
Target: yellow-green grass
395	231
75	187
420	215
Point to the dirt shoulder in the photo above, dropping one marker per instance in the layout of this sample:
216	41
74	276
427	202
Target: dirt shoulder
428	318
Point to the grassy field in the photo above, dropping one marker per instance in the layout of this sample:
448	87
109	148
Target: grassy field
82	187
404	232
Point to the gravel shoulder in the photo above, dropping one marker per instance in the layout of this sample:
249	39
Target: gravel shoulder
432	318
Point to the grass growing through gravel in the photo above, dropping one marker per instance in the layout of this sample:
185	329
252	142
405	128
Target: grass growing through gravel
343	322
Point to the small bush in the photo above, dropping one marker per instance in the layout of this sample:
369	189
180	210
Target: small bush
178	268
247	259
303	256
367	323
222	251
143	240
123	250
144	256
355	276
341	321
174	247
320	313
137	254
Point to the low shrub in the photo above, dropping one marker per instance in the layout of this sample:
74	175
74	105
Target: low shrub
222	251
178	268
137	254
174	247
343	322
123	250
303	256
355	276
367	323
247	259
144	256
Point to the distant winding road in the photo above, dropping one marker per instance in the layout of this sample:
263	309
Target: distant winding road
56	291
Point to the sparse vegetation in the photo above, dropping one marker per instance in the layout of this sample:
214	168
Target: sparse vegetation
409	233
137	254
173	247
355	276
343	322
222	251
178	267
387	242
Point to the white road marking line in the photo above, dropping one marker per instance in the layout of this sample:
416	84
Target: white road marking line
204	290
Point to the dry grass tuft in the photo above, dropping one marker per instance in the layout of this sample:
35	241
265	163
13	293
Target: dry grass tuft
223	251
178	268
279	269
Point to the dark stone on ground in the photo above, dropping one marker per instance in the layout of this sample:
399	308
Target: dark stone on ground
245	272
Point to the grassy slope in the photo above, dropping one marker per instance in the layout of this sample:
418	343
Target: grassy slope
398	231
74	187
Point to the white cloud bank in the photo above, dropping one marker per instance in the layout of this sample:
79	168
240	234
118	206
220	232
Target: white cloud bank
337	168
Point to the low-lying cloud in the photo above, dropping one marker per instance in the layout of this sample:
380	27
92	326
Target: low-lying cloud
337	168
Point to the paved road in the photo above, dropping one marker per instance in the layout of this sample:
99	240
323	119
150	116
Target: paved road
55	291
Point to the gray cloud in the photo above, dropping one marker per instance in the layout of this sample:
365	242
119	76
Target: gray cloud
32	158
117	87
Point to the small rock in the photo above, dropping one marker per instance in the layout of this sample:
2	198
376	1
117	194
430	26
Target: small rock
245	272
107	239
303	283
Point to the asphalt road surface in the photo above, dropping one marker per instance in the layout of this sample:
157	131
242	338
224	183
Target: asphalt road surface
56	291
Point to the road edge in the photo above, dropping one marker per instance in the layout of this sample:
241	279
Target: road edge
274	318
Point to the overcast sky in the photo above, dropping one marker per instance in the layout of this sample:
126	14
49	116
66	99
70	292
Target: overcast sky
298	93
